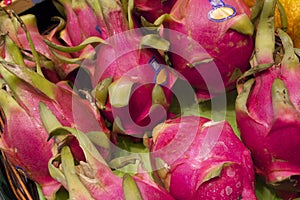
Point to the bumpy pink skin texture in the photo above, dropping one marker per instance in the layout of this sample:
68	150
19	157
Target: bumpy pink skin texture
28	148
152	9
273	137
187	171
217	40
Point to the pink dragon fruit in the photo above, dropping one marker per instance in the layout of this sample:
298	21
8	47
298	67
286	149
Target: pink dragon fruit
81	23
143	75
24	142
93	177
28	88
196	158
19	31
139	72
267	107
211	34
151	10
140	83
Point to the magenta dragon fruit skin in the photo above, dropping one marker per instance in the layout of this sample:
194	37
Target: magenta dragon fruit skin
82	16
68	106
225	171
73	27
31	25
88	21
81	23
16	32
267	109
96	177
141	74
132	67
220	40
151	10
29	89
113	188
149	189
33	156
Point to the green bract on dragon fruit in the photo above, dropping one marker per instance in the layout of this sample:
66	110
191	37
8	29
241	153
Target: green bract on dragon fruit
194	160
92	178
267	107
139	72
156	100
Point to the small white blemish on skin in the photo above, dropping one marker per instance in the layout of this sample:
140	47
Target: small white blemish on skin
228	190
230	172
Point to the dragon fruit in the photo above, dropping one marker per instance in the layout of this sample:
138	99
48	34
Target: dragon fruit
151	10
93	177
24	142
78	14
29	89
26	26
143	76
267	107
137	71
140	84
81	23
212	34
196	158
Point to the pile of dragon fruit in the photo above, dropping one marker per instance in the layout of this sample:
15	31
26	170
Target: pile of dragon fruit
140	99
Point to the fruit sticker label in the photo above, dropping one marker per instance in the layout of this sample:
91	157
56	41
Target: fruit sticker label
161	75
220	11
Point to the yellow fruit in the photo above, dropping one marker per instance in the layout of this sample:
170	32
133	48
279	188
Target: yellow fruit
292	9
